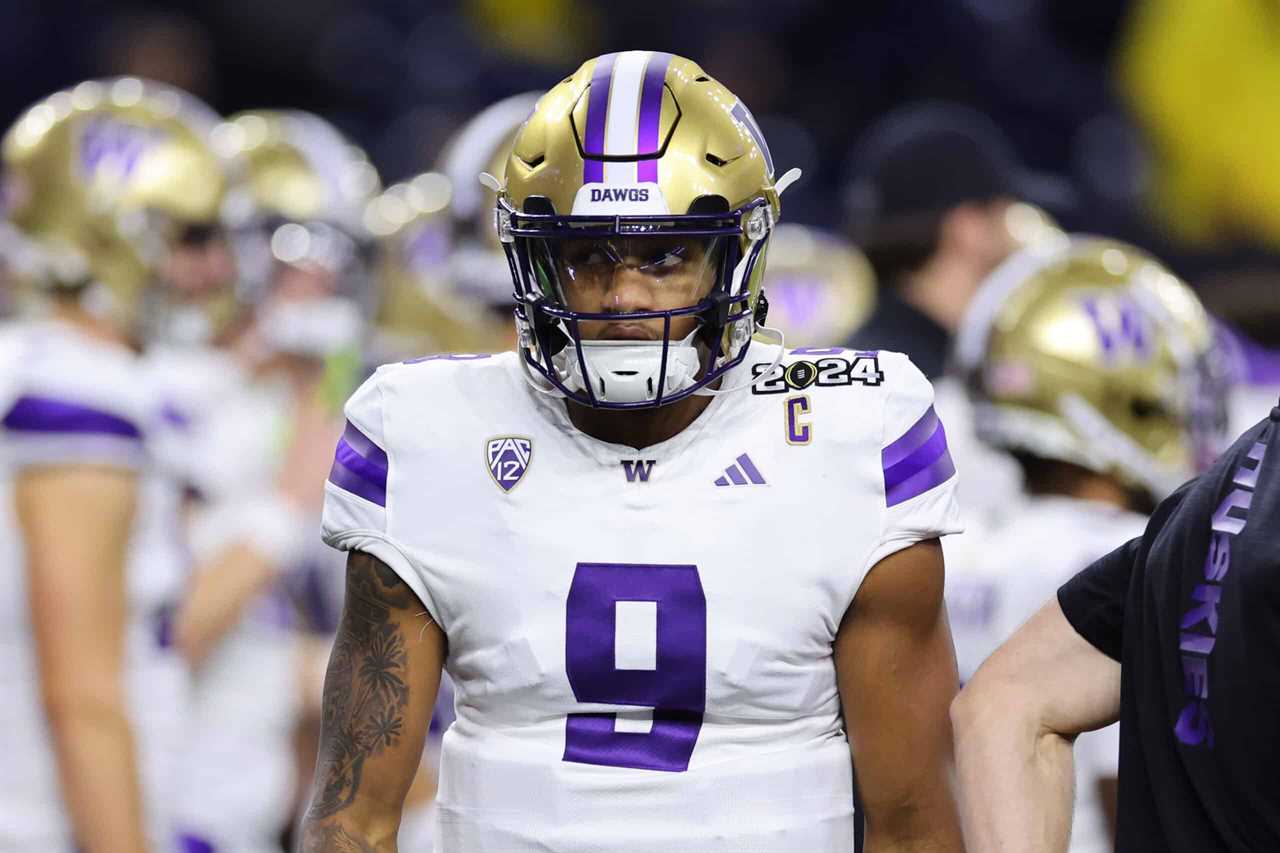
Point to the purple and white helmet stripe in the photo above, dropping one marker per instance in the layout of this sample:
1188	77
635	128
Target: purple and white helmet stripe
651	117
597	112
624	116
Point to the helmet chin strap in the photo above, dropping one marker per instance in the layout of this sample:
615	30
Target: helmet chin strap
777	339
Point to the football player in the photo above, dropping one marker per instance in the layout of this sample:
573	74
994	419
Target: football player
266	444
1085	361
116	185
684	582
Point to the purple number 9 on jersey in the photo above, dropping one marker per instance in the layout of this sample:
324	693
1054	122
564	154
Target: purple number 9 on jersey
675	687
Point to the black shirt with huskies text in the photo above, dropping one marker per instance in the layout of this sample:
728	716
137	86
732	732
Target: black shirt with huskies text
1191	610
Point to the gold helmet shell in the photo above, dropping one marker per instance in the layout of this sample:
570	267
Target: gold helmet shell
634	145
301	168
105	177
820	287
1089	351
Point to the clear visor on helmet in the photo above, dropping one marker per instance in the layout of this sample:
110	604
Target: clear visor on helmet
632	273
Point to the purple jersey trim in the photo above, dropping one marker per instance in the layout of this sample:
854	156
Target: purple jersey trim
364	445
362	474
651	117
918	461
189	843
920	432
597	114
47	415
937	473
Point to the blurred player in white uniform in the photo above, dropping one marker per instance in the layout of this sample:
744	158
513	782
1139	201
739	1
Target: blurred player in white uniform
263	458
1085	363
674	620
115	188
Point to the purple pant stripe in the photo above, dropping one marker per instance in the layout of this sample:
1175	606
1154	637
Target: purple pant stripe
752	471
651	116
919	433
45	414
922	457
934	475
364	445
597	114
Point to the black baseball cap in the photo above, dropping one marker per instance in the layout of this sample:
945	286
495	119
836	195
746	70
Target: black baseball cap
923	159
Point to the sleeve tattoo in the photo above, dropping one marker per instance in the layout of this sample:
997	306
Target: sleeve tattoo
366	692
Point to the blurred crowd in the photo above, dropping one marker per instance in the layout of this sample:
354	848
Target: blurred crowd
194	293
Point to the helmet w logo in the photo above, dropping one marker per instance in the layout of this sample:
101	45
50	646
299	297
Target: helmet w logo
508	458
110	149
1123	328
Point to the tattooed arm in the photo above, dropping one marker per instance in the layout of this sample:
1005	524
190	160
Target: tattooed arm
378	694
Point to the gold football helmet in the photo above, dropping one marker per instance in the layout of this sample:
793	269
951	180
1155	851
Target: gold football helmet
820	287
310	189
1089	351
637	156
105	179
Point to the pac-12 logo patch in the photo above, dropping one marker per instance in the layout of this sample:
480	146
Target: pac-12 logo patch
508	458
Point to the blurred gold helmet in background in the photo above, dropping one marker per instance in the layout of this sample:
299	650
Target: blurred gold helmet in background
820	287
310	188
104	179
301	168
1089	351
477	264
419	311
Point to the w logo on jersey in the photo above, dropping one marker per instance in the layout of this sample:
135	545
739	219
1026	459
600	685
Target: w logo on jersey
508	460
638	470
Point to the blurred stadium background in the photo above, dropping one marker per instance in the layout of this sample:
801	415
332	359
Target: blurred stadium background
1156	111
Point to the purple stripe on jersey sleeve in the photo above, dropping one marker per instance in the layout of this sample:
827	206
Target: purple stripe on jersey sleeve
597	114
364	445
651	116
918	461
47	415
362	474
935	474
920	432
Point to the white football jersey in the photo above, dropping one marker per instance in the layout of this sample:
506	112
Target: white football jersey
245	693
641	640
69	400
1001	576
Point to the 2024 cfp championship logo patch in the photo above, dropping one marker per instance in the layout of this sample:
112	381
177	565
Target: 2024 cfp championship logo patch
508	457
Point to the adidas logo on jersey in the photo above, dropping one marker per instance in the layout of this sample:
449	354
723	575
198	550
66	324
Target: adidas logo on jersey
742	473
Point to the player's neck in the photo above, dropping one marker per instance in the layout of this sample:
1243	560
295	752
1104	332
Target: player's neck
638	428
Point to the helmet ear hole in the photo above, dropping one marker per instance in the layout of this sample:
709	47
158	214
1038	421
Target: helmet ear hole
709	204
539	205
